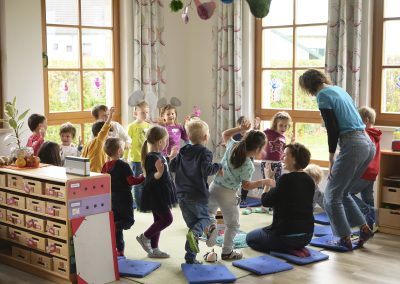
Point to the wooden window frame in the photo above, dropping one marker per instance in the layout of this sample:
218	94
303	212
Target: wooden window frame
384	119
298	116
84	116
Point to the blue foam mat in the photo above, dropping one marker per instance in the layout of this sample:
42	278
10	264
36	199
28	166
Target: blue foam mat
251	202
330	242
320	231
321	218
201	273
262	265
315	256
136	268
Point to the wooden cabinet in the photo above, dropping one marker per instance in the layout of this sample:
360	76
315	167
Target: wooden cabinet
389	193
35	223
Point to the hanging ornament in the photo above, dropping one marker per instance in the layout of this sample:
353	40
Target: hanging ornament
64	87
185	13
398	82
97	84
275	84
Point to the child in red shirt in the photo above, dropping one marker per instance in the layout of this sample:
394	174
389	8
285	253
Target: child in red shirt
38	125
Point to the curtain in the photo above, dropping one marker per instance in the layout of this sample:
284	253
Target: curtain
227	70
343	45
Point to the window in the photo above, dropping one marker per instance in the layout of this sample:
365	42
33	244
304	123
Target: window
80	41
289	41
386	62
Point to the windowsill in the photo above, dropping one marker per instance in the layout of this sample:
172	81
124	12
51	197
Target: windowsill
386	128
5	130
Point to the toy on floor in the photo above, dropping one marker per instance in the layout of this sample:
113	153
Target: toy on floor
250	210
211	256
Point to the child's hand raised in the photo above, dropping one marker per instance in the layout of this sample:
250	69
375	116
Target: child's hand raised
246	125
257	123
160	167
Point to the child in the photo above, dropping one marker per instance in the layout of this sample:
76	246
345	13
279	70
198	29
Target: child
100	112
238	170
273	151
176	131
49	153
67	134
38	125
94	149
159	193
192	166
137	132
365	185
315	172
121	198
239	136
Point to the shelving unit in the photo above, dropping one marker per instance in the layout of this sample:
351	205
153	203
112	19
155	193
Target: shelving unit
36	209
389	193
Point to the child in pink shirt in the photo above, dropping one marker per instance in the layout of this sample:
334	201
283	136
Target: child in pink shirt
38	125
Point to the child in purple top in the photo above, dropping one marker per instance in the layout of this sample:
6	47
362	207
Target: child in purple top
274	148
175	130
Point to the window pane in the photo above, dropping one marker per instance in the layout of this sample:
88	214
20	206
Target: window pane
277	47
277	89
87	132
63	47
96	13
280	13
304	101
53	133
313	136
63	12
311	11
98	88
97	48
391	90
392	8
64	91
310	46
391	51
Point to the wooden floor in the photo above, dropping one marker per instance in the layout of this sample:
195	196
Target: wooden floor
378	262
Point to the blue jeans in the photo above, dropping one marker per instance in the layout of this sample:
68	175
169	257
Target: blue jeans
366	203
137	189
196	218
356	151
267	240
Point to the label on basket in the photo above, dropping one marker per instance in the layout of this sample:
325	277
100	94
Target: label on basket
75	185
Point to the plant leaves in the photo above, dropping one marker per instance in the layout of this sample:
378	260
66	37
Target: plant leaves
22	116
9	110
13	123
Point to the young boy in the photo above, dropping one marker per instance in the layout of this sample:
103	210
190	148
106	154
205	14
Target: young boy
365	185
94	149
137	132
67	134
315	172
100	112
192	166
121	181
38	125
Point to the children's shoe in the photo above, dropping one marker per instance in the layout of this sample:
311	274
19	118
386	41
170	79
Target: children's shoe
193	261
212	235
193	242
157	253
345	242
233	255
145	243
365	235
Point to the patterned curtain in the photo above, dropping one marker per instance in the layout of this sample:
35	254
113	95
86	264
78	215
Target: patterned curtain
149	48
227	69
343	45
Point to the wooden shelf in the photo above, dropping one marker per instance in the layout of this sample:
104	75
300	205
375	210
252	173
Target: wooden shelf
51	198
34	212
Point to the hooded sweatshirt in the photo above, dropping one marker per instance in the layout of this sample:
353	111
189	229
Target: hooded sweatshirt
373	168
192	166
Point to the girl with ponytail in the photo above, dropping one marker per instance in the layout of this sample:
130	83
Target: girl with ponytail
238	170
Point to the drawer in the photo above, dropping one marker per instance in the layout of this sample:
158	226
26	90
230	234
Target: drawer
17	236
3	231
21	254
56	229
57	210
16	200
43	261
3	197
35	205
60	266
3	215
3	178
33	186
15	181
391	195
389	217
35	223
57	248
15	218
36	242
55	190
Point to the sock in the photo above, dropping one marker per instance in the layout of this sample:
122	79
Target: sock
259	8
205	10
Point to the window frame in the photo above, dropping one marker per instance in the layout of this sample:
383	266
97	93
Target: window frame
83	116
298	116
384	119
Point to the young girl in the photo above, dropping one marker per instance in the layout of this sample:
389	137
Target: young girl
273	151
176	131
49	153
315	172
159	193
67	134
238	170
